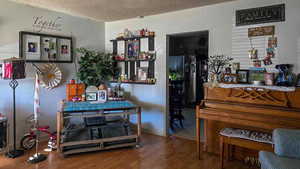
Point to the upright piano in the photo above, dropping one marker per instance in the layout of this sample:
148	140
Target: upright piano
252	108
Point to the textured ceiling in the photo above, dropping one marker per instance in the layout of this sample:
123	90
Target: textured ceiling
111	10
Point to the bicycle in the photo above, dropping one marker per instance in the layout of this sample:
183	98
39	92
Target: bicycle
29	139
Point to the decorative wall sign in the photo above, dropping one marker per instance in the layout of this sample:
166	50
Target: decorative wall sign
261	31
41	23
37	47
268	14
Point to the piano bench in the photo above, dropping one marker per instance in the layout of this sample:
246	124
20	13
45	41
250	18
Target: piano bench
243	138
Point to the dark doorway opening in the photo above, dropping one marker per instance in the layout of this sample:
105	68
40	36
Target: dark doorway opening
187	66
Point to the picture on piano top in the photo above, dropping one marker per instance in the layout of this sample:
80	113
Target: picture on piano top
229	78
243	76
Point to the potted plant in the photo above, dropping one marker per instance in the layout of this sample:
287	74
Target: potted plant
95	68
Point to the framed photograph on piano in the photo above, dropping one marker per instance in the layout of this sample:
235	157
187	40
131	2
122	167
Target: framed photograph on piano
229	78
243	76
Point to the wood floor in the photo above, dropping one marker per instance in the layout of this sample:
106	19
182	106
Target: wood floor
156	153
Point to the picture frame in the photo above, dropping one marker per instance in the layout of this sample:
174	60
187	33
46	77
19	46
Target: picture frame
91	96
102	96
256	74
298	80
142	73
132	48
235	66
1	70
45	48
269	79
243	76
229	78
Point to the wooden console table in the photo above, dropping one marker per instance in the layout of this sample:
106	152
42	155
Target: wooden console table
249	108
87	110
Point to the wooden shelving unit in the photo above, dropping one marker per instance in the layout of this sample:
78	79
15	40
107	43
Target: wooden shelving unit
133	38
136	60
82	141
131	65
135	82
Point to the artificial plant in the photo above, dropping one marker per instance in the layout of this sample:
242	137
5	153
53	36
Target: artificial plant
95	67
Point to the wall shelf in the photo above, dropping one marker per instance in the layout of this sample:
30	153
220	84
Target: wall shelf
135	82
135	60
131	66
132	38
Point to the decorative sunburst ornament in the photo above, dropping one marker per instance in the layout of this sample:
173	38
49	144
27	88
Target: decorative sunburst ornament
50	75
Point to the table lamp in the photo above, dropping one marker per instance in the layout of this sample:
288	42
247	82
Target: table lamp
13	69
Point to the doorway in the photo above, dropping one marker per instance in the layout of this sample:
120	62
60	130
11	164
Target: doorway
187	72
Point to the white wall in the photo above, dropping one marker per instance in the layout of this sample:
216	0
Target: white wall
219	20
16	17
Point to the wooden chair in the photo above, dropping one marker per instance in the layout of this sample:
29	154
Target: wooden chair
176	105
243	138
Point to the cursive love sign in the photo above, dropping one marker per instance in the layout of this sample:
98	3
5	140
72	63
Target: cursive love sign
41	23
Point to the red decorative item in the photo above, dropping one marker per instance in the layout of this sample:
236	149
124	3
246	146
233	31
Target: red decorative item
142	32
72	81
8	71
13	68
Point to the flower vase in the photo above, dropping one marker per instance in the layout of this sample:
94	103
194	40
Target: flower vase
215	80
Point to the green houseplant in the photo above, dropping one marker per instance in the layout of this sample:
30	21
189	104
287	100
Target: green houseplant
95	67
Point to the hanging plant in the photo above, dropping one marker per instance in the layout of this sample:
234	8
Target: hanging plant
95	67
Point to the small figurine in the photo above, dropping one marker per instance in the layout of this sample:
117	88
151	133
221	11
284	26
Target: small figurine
83	97
257	63
72	81
253	53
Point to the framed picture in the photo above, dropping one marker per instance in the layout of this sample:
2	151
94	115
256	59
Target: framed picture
64	49
298	80
1	70
31	47
229	78
91	96
102	96
269	79
243	76
235	67
49	49
142	73
132	48
37	47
